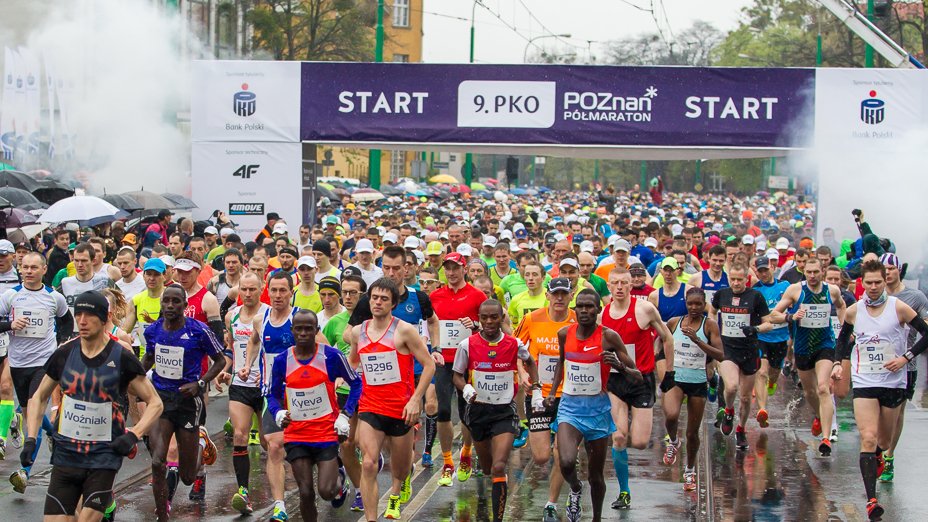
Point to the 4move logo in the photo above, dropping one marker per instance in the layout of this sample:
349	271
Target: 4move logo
244	102
246	209
872	109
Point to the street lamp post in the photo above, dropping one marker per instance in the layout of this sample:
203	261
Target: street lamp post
529	43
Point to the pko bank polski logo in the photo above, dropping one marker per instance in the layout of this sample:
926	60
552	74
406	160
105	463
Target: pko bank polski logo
872	110
243	102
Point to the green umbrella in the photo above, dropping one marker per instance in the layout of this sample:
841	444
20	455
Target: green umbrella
327	186
4	166
477	186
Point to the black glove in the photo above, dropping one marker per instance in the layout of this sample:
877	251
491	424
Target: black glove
668	382
749	331
25	456
123	444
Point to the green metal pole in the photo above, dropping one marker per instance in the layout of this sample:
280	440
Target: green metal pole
596	171
698	174
818	50
373	167
868	51
644	176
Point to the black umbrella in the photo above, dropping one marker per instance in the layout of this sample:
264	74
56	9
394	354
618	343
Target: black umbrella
182	202
326	193
21	198
20	180
122	201
390	190
150	200
51	191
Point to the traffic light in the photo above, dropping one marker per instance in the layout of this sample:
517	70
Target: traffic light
512	170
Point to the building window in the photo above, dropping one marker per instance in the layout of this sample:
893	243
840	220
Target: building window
401	58
400	13
397	164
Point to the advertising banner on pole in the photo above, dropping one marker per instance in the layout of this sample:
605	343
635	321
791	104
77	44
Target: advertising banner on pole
245	101
555	105
248	180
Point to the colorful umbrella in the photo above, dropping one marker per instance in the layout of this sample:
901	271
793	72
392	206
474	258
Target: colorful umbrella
460	189
477	186
443	178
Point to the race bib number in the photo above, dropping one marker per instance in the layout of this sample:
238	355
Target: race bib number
380	368
835	326
169	361
451	333
424	330
630	348
4	343
817	316
86	421
872	356
687	354
493	387
307	404
582	378
38	323
732	323
547	364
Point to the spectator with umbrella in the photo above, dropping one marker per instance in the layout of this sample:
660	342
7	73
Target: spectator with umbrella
157	232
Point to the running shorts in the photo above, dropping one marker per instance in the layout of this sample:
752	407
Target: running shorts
636	394
321	453
488	420
269	423
248	395
540	420
26	381
68	485
445	390
775	353
888	397
187	413
591	427
807	362
390	426
747	360
694	389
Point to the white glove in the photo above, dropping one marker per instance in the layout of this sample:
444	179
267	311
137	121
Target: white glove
342	425
538	402
469	393
281	415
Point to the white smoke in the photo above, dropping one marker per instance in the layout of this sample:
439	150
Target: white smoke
130	80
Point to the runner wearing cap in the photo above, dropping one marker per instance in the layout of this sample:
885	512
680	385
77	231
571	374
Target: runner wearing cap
322	251
484	370
772	344
145	306
587	354
879	358
301	398
456	305
364	256
177	345
390	403
37	318
93	373
533	298
330	291
538	330
640	287
620	254
268	230
810	303
306	295
488	252
916	300
670	301
638	322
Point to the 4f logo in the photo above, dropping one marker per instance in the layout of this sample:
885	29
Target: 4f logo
246	171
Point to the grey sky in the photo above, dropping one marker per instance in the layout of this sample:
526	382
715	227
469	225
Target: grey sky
447	24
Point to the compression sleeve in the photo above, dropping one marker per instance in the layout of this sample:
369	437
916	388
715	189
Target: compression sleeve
5	325
226	305
919	325
843	344
218	328
65	326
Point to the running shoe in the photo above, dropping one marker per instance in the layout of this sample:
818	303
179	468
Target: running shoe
573	506
241	502
464	469
393	508
741	439
824	448
279	515
550	514
227	428
427	460
689	481
209	451
110	514
447	472
358	504
816	427
771	389
254	439
20	480
762	418
719	417
339	499
728	422
198	491
888	473
16	434
522	438
670	452
666	438
713	393
874	510
623	502
406	488
834	435
475	466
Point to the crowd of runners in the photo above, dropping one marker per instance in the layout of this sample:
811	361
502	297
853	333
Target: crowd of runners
552	321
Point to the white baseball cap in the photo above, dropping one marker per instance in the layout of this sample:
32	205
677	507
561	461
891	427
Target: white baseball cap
586	246
411	242
364	245
185	265
212	231
279	228
391	237
309	261
465	250
489	241
782	243
747	239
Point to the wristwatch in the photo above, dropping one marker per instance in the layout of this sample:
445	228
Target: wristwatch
202	384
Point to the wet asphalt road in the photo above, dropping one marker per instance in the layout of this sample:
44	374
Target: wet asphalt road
780	477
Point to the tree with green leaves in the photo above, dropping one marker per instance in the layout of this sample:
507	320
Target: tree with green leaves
323	30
